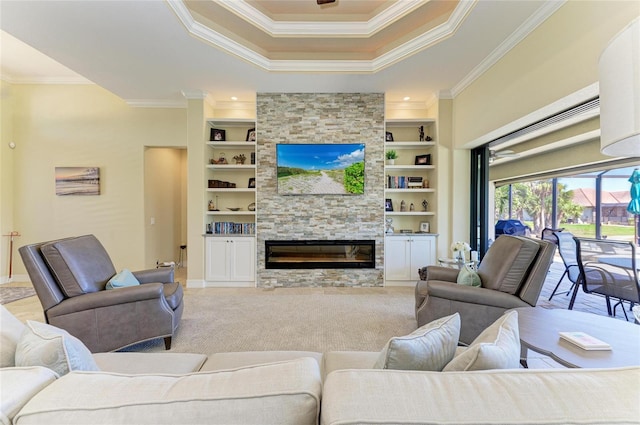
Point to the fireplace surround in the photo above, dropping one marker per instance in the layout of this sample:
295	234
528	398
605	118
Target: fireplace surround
320	254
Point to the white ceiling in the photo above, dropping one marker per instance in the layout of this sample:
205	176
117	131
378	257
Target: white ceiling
142	52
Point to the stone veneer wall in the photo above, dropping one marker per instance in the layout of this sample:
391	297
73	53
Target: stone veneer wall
320	118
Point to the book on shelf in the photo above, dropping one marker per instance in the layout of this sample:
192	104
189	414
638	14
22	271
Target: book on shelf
231	228
403	182
584	341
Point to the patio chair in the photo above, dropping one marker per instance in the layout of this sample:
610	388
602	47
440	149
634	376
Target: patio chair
549	234
608	268
568	253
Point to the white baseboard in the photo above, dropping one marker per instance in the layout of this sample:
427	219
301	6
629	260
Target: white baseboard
247	284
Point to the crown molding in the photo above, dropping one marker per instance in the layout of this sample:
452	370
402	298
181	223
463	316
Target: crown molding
541	15
427	39
356	66
207	34
320	29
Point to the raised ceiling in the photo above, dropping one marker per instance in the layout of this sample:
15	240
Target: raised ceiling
151	53
352	30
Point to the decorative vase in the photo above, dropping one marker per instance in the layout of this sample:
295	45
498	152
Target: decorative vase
459	256
391	161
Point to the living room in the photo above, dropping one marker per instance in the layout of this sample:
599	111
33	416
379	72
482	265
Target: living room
98	128
528	61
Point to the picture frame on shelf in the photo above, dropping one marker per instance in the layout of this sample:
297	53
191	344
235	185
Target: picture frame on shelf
388	204
252	182
388	136
425	227
251	135
423	159
218	135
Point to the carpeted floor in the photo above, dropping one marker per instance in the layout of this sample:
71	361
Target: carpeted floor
310	319
10	294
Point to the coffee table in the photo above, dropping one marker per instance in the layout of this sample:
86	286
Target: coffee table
540	327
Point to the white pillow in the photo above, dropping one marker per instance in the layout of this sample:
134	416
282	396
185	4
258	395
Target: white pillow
430	347
469	277
48	346
10	332
497	347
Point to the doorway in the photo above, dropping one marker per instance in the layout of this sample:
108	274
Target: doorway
165	205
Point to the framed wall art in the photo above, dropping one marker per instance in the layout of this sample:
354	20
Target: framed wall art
77	181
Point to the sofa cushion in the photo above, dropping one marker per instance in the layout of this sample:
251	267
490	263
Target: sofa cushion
122	279
157	363
277	393
522	396
497	347
430	347
506	270
80	265
19	385
48	346
234	360
337	360
10	332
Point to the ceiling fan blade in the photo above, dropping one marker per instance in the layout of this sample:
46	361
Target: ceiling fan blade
325	1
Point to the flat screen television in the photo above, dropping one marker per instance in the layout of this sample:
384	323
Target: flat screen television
320	169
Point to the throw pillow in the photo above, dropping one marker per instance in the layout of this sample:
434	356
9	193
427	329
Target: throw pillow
48	346
430	347
497	347
469	277
122	279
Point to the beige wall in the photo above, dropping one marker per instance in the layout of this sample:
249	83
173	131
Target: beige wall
559	58
6	177
84	125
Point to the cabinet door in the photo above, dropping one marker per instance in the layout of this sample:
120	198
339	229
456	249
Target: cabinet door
397	258
243	259
422	254
217	259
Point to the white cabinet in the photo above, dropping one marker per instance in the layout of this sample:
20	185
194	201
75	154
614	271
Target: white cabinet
404	255
230	261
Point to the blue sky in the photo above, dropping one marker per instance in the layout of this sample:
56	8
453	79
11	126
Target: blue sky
613	181
319	156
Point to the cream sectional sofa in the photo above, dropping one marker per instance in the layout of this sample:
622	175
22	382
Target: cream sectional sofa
298	387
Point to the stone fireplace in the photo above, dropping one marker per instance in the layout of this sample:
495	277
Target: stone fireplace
319	118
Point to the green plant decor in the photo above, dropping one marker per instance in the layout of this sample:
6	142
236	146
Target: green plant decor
392	154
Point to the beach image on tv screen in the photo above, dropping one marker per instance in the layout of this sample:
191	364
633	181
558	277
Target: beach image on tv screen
305	169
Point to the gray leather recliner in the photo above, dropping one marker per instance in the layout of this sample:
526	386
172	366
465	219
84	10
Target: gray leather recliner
70	275
512	272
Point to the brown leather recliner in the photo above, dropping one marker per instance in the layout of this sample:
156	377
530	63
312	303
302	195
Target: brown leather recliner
512	274
70	276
